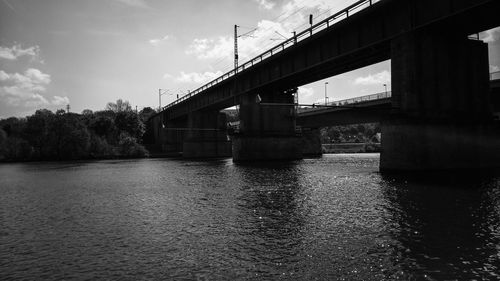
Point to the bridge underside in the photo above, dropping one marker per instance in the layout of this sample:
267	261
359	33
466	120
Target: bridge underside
439	116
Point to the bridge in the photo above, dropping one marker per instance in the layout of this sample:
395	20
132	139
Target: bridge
440	107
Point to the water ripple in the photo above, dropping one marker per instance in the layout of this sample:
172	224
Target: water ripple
333	218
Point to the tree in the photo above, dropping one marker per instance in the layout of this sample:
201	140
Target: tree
13	126
87	112
70	138
146	113
3	144
103	126
119	106
129	146
37	132
128	121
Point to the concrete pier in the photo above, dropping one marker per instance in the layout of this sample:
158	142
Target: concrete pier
441	117
206	135
267	128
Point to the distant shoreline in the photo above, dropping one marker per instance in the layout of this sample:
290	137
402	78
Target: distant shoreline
350	148
335	148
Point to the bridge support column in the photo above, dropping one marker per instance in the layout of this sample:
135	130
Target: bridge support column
311	142
267	128
206	136
164	138
173	136
441	117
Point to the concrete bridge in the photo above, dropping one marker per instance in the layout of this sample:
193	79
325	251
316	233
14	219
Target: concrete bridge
439	115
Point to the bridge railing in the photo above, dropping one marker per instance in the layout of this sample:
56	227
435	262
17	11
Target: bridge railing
340	103
322	25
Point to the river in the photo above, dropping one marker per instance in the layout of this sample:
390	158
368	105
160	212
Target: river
332	218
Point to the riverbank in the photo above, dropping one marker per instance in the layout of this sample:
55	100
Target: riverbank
350	147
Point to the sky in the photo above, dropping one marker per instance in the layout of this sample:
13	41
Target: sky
88	53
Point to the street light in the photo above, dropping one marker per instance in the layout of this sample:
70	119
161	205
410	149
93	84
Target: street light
161	92
326	97
385	86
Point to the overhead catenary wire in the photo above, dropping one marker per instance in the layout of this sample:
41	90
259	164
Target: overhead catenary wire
282	18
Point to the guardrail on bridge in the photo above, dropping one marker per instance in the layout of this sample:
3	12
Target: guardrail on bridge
323	106
322	25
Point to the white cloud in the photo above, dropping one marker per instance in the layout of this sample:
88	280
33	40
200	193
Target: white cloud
491	35
248	46
194	77
32	79
157	41
16	51
293	17
57	100
305	94
134	3
265	4
383	77
494	68
35	100
211	48
26	89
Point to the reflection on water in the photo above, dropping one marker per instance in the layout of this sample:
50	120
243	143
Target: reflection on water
326	219
446	230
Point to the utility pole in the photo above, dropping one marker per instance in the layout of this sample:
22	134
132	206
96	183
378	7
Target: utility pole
165	92
235	47
67	108
236	44
311	23
159	100
326	97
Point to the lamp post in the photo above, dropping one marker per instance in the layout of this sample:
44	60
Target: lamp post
385	86
326	96
161	92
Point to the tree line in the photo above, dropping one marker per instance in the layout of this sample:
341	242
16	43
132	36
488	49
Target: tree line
117	131
358	133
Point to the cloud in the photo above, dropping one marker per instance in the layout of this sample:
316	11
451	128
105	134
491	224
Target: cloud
293	17
248	46
491	35
25	89
305	94
32	79
211	48
494	68
57	100
194	77
16	51
383	77
157	41
134	3
265	4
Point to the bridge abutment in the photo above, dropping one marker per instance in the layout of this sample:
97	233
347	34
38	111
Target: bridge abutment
206	135
267	128
441	117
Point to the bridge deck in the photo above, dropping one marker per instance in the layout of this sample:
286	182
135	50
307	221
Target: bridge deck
355	37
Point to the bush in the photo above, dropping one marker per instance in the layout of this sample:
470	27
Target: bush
129	147
99	148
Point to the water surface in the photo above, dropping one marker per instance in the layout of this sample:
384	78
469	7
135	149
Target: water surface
333	218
